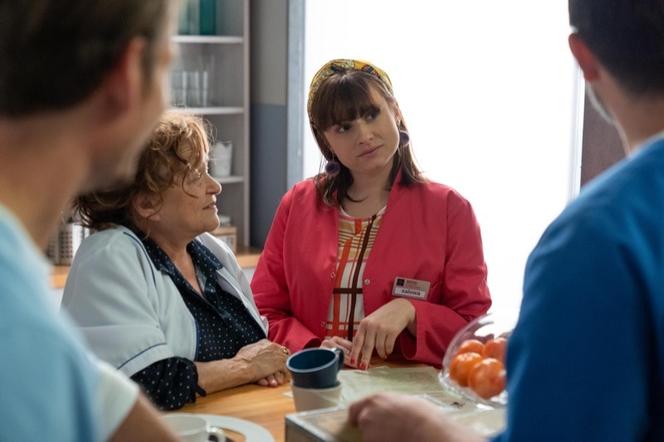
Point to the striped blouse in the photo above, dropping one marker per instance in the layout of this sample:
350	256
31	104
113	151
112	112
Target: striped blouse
356	238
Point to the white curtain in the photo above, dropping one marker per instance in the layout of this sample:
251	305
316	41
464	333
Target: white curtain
489	91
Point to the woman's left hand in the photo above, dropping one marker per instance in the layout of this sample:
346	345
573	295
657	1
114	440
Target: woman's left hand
380	330
343	344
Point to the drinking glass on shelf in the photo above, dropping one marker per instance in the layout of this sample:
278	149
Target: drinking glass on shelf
208	15
193	88
207	63
204	95
179	88
189	18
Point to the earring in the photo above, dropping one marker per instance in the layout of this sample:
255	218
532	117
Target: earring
332	167
404	138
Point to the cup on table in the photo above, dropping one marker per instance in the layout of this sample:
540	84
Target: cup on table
192	428
314	398
315	367
314	377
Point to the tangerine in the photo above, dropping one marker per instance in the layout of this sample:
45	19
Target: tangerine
470	345
461	366
495	348
487	378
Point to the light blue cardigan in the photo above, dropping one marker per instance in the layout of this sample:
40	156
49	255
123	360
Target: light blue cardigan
130	313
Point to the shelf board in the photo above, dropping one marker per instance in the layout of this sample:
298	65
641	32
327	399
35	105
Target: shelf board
247	257
208	39
230	179
215	110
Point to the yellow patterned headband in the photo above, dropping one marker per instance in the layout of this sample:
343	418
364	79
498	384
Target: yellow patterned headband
342	64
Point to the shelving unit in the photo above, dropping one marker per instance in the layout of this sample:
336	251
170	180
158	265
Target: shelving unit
208	39
230	179
246	257
218	110
225	57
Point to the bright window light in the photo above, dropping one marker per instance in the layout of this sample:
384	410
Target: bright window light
489	92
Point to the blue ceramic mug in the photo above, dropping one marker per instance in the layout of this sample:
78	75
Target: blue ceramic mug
315	367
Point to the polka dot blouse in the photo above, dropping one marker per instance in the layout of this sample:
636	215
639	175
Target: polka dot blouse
223	327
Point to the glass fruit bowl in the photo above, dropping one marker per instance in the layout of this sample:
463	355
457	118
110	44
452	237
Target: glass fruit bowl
474	364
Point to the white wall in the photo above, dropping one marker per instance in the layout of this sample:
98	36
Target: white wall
488	91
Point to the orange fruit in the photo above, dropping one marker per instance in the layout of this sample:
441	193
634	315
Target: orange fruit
495	348
487	378
461	366
470	345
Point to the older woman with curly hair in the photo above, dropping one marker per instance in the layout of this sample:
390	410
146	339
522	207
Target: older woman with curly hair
154	293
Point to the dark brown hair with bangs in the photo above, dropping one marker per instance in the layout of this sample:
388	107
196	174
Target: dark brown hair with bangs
346	96
174	152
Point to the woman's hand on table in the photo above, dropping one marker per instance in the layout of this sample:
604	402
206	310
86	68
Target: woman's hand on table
266	360
391	417
337	342
380	330
274	380
263	362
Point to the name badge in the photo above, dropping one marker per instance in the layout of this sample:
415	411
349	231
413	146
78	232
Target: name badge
410	288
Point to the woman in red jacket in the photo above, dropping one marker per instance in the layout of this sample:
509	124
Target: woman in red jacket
369	256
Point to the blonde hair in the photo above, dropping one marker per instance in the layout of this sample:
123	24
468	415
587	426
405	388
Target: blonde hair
176	148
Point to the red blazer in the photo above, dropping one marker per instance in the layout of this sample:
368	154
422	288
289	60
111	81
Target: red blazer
428	232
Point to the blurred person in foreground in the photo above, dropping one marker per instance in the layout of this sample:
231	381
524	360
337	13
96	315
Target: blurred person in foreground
586	359
81	86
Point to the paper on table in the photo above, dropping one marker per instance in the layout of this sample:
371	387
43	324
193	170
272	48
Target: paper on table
407	380
420	381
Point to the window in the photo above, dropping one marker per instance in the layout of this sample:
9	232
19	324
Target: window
489	91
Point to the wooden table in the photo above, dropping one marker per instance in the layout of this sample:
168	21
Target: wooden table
262	405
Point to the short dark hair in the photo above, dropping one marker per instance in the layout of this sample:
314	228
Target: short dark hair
345	96
627	36
55	53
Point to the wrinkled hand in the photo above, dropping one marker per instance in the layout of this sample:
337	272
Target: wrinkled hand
380	330
275	379
264	358
390	417
337	342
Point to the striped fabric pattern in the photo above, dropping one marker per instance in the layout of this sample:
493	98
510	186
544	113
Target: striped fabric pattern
356	239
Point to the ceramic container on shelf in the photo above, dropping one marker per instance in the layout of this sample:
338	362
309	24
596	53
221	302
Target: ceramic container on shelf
208	17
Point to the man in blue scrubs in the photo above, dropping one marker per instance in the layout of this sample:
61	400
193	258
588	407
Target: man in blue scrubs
80	89
586	359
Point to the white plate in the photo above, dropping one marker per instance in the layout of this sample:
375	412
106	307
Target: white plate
251	431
